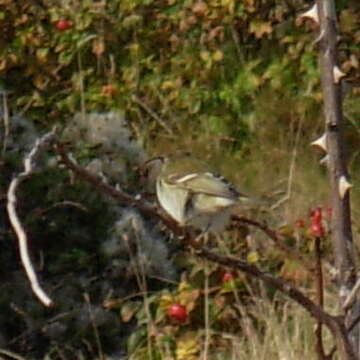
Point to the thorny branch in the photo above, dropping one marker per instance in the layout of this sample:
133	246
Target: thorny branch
341	235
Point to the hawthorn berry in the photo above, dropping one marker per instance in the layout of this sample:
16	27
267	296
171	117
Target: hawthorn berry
177	313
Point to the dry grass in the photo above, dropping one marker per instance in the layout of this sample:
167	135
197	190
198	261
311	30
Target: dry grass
287	333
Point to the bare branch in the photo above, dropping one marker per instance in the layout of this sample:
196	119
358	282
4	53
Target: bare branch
334	323
102	186
11	354
29	168
319	297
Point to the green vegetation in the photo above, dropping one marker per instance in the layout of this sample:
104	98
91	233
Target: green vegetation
234	82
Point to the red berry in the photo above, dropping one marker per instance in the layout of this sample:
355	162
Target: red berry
317	229
63	25
178	313
316	214
227	277
299	223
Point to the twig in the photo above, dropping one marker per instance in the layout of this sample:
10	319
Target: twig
11	354
319	298
152	113
206	313
287	196
6	122
29	168
93	323
334	323
236	40
40	212
102	186
273	235
352	296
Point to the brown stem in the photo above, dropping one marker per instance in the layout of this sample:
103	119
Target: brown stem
102	186
334	323
319	298
342	238
278	241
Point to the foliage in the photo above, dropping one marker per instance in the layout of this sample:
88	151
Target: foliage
235	82
194	63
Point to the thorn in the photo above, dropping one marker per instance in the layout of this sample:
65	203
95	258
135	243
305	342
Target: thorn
327	52
320	142
324	160
320	37
344	186
338	74
312	13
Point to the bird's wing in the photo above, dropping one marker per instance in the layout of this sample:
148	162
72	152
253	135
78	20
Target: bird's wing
205	183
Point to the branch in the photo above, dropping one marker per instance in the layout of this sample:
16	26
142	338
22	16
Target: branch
352	296
274	236
117	194
29	168
319	297
335	324
342	238
152	113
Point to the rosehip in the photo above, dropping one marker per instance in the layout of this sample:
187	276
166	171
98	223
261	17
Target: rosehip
227	277
317	229
63	25
316	214
177	313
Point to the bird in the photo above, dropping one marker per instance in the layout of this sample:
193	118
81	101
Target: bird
195	197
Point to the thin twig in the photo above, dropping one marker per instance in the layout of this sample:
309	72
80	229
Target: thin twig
39	212
206	312
29	168
11	354
152	113
319	297
6	122
96	331
273	235
352	296
102	186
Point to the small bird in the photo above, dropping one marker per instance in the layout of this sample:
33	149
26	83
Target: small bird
195	197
